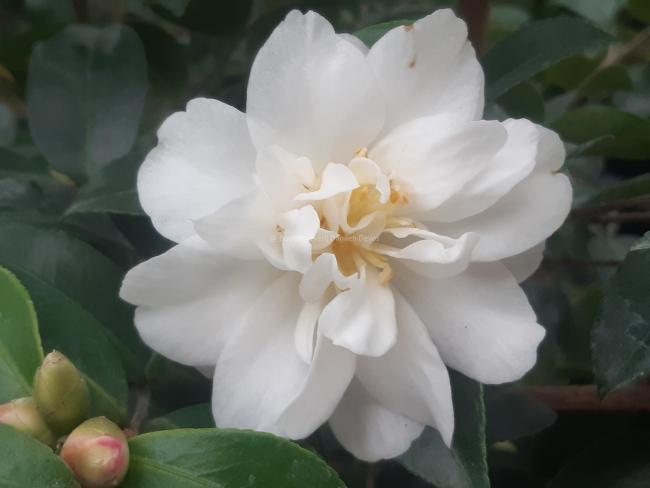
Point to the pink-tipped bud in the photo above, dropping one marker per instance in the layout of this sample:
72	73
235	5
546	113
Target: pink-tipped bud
23	415
97	453
61	393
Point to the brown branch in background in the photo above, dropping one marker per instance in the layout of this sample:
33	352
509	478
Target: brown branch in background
80	10
476	14
568	261
585	397
635	209
623	217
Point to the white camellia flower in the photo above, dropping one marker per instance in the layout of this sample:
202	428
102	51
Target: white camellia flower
358	229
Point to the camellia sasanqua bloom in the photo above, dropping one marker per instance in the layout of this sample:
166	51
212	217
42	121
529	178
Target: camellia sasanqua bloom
353	234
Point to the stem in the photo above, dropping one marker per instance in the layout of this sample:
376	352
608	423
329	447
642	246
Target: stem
141	410
371	474
585	398
477	14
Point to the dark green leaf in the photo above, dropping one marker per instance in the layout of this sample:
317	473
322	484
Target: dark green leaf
631	188
82	275
12	163
523	100
511	414
631	133
67	327
640	9
621	338
601	12
194	417
536	47
20	343
7	125
624	463
371	34
224	459
26	463
85	95
174	385
465	465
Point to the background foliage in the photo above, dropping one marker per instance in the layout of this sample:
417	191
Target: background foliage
84	85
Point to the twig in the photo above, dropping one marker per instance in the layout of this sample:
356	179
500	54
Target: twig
595	211
624	217
585	397
371	474
568	261
477	14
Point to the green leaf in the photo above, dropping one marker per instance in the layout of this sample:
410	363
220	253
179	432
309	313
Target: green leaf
621	338
80	273
536	47
523	100
95	80
67	327
7	125
26	463
602	12
174	385
20	343
631	133
619	463
465	465
371	34
224	459
194	417
13	163
638	186
111	190
639	9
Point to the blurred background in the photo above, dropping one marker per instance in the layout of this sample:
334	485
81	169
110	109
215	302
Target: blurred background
85	84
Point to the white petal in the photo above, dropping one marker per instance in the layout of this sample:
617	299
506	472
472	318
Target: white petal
411	379
190	299
433	157
367	172
329	376
551	152
312	92
355	41
337	178
428	68
305	333
370	431
300	227
526	216
323	272
523	265
362	319
236	227
509	166
480	321
259	371
204	159
282	175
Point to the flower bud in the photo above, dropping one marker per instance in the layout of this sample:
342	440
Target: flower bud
61	393
97	453
23	415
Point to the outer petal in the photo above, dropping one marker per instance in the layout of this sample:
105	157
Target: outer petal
204	159
480	321
191	299
370	431
362	319
312	92
433	157
330	374
523	265
528	214
509	166
259	372
411	379
428	68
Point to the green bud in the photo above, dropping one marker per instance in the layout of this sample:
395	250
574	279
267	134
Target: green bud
97	453
23	415
61	393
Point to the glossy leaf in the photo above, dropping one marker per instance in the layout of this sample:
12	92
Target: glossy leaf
224	459
631	188
523	101
85	95
534	48
20	343
194	417
640	9
81	274
620	344
465	465
28	463
13	163
630	133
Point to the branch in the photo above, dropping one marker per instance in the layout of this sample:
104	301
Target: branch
596	211
585	397
477	14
